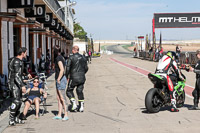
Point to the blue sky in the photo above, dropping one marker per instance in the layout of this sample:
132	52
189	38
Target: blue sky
126	19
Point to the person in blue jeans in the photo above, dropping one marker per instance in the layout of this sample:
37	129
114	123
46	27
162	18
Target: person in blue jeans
61	84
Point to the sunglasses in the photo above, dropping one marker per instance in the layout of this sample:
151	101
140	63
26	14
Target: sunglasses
35	81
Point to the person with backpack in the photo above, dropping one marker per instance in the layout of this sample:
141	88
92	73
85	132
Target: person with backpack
61	83
16	84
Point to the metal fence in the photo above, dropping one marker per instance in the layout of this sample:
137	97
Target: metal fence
185	57
188	58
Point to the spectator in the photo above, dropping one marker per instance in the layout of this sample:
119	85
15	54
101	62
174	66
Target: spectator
157	53
48	61
90	56
61	83
34	97
178	51
161	53
150	50
85	54
76	69
27	67
42	63
134	52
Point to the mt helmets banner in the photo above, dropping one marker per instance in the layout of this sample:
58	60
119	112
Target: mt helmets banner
177	20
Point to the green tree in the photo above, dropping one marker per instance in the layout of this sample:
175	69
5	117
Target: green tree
79	32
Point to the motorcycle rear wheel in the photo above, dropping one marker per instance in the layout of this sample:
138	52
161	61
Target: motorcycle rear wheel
152	99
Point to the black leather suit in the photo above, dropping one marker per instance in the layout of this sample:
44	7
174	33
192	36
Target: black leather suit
196	91
15	83
76	68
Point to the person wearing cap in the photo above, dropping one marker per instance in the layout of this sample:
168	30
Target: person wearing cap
196	91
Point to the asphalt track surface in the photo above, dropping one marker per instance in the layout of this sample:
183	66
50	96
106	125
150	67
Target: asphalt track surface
114	102
117	49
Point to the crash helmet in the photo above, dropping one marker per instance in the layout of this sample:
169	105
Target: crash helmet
172	55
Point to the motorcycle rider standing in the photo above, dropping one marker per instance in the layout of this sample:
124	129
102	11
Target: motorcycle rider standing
166	64
196	92
16	84
76	70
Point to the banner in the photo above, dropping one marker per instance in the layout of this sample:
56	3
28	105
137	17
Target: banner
20	3
177	20
47	20
37	11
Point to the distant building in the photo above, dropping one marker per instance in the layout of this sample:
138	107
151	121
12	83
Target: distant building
83	45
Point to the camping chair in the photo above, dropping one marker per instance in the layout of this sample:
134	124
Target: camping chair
43	100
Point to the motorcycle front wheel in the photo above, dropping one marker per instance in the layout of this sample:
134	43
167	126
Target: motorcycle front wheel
180	100
152	101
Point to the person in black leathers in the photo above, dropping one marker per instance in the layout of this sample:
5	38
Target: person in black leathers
48	60
196	91
42	64
16	84
76	69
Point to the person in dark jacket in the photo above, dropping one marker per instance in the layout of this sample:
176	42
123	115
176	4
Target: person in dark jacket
16	84
42	64
196	91
76	70
48	61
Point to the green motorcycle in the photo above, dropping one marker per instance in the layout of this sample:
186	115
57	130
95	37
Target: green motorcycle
159	96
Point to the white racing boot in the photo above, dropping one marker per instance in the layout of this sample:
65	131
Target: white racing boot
73	102
12	123
19	121
174	109
81	106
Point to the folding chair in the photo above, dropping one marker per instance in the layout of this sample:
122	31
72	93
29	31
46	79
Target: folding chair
43	100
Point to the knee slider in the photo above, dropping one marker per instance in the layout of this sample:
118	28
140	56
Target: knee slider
15	105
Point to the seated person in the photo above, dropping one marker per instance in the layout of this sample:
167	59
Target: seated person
34	97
